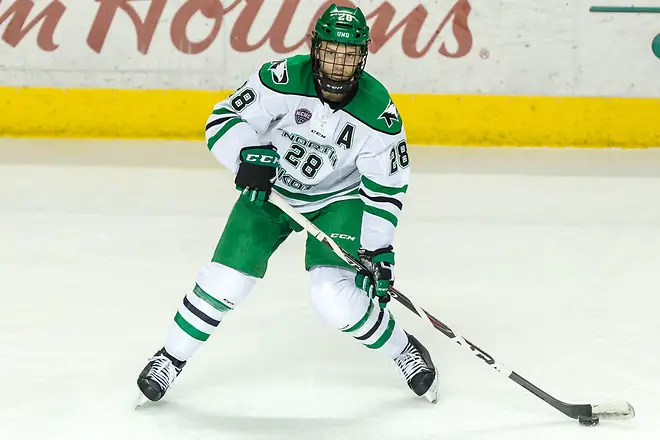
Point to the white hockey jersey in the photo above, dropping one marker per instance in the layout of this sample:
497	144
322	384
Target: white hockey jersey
358	151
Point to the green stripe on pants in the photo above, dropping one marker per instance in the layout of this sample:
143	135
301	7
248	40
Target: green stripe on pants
385	336
361	322
218	305
190	329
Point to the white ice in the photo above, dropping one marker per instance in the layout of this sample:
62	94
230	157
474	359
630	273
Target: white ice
549	260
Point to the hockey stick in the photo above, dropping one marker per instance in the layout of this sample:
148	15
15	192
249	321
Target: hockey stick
587	414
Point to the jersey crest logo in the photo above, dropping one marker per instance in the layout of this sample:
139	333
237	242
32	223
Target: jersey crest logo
302	115
390	114
279	72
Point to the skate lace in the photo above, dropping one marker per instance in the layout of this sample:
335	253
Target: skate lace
162	371
410	362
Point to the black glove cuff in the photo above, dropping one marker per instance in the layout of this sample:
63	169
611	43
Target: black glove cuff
255	176
364	253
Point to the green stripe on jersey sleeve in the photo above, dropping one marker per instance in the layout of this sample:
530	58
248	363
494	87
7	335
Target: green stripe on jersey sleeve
378	188
223	111
385	215
223	130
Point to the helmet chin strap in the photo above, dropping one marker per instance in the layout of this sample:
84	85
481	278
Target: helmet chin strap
336	104
335	87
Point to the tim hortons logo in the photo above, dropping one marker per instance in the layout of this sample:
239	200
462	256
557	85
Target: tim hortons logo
23	16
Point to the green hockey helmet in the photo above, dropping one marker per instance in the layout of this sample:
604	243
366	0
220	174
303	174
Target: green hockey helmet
340	42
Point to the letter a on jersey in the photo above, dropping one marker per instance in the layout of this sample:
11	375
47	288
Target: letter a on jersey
279	72
390	114
345	138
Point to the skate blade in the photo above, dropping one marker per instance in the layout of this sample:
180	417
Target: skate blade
140	401
432	393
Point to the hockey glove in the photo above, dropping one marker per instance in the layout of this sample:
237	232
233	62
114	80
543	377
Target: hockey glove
257	173
379	275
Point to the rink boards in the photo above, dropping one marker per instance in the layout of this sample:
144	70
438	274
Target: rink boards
462	72
430	119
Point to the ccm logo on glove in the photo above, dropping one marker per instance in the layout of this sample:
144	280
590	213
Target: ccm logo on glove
257	172
262	158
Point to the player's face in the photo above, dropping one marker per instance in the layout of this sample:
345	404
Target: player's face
338	61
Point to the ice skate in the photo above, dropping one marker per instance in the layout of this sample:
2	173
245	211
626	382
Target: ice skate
415	364
157	376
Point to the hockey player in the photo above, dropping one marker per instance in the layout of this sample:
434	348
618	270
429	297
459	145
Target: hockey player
324	134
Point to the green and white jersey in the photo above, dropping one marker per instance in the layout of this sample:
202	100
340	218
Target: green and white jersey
358	151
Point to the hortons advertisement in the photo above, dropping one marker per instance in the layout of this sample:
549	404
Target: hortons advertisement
462	72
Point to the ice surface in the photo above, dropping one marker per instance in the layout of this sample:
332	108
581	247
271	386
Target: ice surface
547	259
